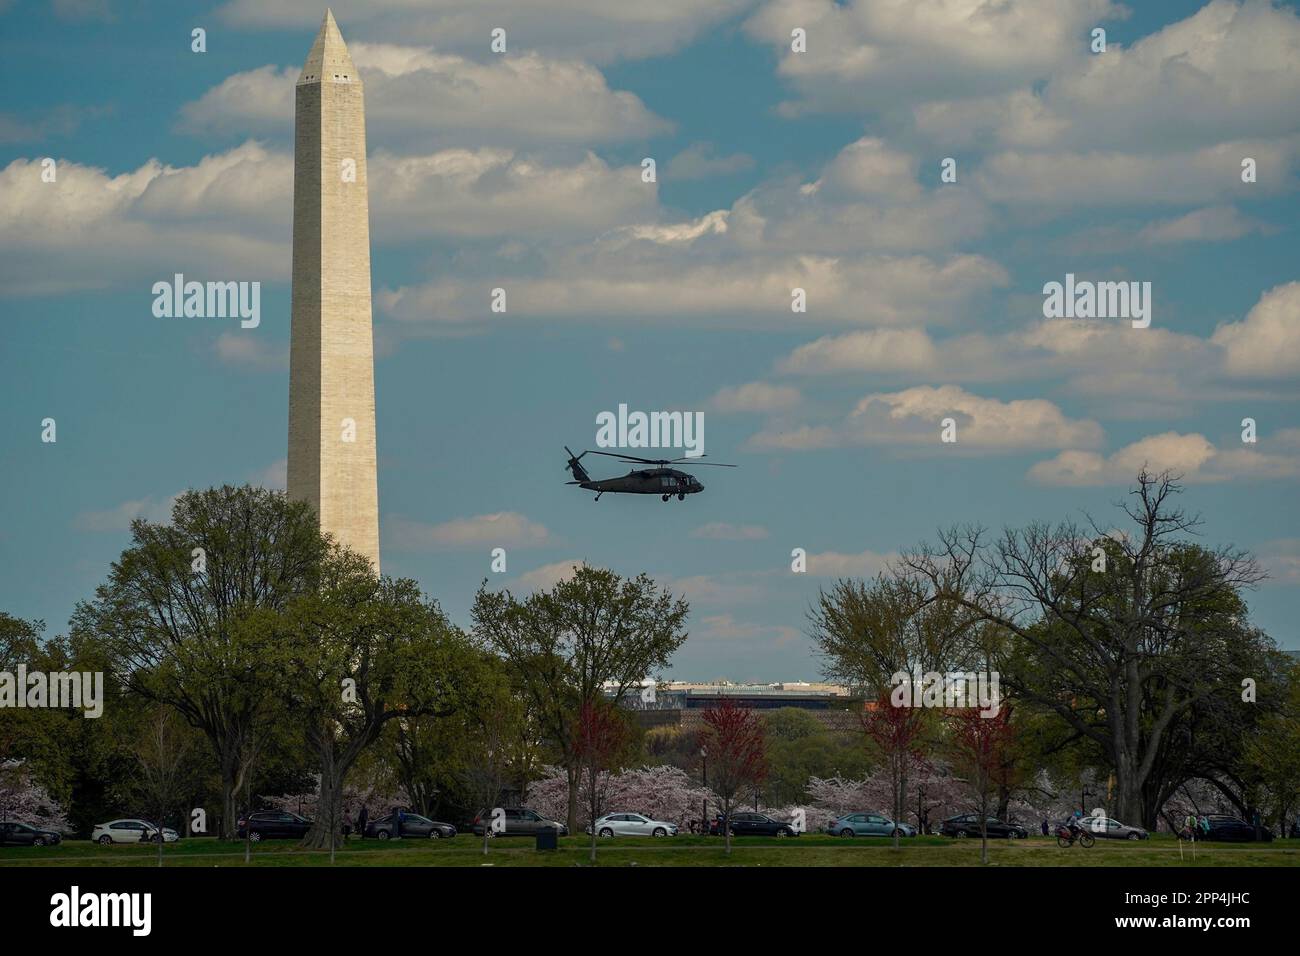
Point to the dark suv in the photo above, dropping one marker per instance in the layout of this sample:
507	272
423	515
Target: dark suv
13	833
273	825
518	821
1223	827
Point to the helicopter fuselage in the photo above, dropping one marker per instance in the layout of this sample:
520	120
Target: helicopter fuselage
664	482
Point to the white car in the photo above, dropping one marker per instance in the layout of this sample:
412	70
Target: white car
633	824
130	831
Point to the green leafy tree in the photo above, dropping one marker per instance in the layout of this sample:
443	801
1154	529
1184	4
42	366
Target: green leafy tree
356	654
593	633
176	608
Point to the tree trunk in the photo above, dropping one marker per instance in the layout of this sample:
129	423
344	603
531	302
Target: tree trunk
726	826
1128	789
571	773
229	797
325	832
591	782
899	796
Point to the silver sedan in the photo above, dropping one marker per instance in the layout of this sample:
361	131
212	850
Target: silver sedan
633	824
1110	829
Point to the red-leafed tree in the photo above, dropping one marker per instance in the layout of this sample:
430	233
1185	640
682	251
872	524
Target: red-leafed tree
599	739
895	732
981	748
736	743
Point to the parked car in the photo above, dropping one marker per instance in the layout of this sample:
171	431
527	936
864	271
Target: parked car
413	825
868	824
968	825
1226	828
519	821
13	833
1106	828
131	831
753	824
633	824
272	825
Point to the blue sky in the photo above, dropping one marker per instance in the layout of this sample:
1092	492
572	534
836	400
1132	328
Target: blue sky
775	170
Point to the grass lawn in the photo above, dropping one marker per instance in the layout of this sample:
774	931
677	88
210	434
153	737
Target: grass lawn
807	850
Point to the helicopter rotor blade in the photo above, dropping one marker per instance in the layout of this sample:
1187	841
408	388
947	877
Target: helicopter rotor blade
622	457
659	461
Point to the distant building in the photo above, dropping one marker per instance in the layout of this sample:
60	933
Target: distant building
683	695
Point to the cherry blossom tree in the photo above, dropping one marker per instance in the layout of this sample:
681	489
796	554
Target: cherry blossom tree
894	731
664	793
600	737
22	798
737	745
980	746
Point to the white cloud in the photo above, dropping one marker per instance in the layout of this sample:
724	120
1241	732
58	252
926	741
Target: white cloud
706	589
275	476
672	284
1230	65
423	100
755	397
228	217
912	418
871	350
834	564
1206	174
251	351
497	192
591	29
1189	455
548	575
1282	559
503	529
119	518
1212	224
218	220
727	628
1267	341
879	54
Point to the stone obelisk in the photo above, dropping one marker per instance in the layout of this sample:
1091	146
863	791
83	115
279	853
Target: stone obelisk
331	355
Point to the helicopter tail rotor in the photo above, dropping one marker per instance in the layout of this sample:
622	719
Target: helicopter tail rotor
579	473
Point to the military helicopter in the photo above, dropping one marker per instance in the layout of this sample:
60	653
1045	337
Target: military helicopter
660	480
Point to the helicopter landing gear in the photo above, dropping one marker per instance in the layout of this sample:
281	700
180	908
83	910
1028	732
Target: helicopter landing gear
663	497
598	494
681	496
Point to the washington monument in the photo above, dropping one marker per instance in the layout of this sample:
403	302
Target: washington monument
331	355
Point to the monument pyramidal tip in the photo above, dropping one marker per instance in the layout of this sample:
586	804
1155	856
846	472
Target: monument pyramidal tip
332	459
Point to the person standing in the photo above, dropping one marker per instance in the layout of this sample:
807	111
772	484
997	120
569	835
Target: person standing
397	822
362	819
1044	826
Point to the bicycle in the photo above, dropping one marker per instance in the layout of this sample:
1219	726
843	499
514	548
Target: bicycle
1066	836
